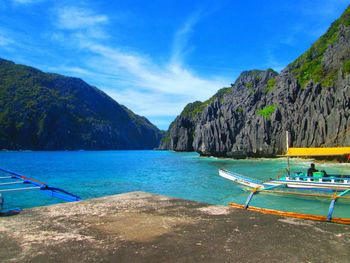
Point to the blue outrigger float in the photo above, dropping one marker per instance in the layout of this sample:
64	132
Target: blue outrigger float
28	184
338	185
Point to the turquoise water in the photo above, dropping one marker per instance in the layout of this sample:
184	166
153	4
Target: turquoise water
183	175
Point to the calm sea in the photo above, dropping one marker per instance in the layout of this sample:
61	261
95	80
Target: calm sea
92	174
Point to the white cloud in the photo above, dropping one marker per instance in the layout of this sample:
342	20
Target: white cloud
26	2
73	18
148	103
134	79
73	71
181	38
169	79
5	41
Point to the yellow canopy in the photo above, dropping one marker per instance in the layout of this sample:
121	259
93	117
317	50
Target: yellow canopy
327	151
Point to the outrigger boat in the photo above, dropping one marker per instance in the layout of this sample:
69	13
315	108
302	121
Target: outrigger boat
28	184
296	180
339	185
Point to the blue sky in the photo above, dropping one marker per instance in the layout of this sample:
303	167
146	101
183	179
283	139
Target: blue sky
155	56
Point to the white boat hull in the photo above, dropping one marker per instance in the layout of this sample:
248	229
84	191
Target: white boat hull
309	184
239	179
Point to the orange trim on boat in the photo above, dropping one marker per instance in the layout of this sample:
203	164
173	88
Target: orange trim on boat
292	214
300	194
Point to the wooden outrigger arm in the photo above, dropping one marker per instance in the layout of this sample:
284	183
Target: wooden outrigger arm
267	189
329	217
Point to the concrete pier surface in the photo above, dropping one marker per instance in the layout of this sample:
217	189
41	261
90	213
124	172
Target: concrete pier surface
142	227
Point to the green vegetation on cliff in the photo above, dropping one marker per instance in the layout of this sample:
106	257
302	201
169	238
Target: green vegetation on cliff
267	111
346	67
271	83
309	65
192	109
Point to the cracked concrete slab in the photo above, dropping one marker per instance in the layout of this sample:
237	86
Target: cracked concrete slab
143	227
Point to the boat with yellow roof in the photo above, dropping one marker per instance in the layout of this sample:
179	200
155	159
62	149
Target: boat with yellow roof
338	184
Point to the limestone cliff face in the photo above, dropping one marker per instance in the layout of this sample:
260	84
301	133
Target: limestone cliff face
310	98
180	135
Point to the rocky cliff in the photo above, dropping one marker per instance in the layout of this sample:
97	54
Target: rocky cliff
310	98
40	111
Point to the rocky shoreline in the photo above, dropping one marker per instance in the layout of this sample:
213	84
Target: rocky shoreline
143	227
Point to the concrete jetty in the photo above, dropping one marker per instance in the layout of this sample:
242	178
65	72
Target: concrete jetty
143	227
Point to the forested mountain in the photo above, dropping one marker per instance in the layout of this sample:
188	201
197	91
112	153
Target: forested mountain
42	111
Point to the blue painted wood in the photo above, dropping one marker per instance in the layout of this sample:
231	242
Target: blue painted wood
52	191
272	187
330	210
344	192
246	205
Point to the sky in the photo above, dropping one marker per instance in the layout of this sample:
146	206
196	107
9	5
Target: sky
155	56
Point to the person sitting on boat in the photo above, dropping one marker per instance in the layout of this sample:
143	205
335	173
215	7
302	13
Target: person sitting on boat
311	170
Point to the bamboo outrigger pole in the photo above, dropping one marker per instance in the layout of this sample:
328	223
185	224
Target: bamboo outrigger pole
287	148
334	199
257	190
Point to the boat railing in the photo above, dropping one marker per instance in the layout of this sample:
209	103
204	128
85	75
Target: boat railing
324	179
